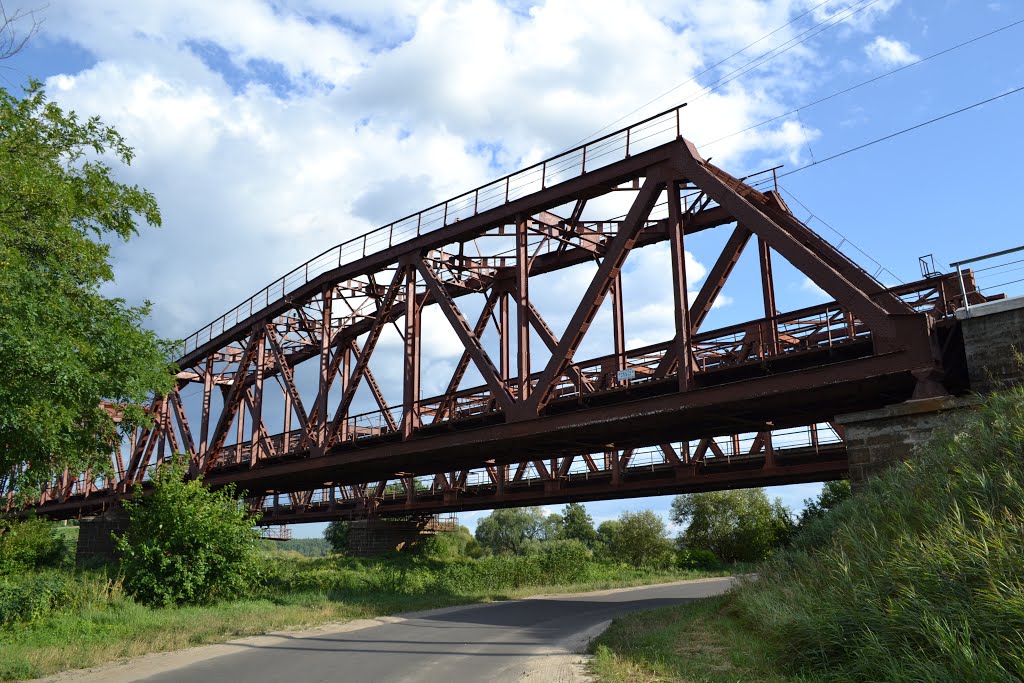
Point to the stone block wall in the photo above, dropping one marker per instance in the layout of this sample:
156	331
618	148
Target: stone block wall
993	338
379	536
993	335
877	438
95	540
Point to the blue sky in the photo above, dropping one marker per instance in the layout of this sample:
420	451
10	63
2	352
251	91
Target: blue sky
271	131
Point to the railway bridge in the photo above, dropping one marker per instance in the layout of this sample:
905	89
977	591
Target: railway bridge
308	395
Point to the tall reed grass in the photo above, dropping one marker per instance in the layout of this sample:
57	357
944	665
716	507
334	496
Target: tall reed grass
919	578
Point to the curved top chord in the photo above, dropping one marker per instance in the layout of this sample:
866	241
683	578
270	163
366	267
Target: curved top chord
643	135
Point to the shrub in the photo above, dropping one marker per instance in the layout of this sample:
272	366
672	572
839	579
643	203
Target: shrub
186	543
738	526
564	562
638	539
696	558
450	545
27	598
28	544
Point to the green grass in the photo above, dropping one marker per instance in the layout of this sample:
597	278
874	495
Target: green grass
700	642
919	579
101	624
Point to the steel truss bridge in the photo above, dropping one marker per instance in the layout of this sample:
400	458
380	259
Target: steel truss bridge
272	396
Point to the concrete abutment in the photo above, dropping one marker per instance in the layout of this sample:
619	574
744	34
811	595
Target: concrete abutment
993	336
96	535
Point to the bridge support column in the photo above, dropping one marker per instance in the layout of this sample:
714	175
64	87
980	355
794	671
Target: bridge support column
993	341
95	535
377	536
875	439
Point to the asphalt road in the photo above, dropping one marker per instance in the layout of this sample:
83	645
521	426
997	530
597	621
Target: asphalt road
505	641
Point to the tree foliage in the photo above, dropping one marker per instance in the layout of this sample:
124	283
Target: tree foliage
832	494
638	539
578	525
737	526
64	347
336	535
510	530
28	544
187	543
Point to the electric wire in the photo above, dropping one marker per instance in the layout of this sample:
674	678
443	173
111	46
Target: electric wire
896	134
864	83
772	54
707	70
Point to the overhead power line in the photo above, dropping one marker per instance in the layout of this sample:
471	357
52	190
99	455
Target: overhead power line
715	66
897	133
867	82
781	49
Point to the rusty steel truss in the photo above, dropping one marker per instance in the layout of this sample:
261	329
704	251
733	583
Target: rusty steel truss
308	395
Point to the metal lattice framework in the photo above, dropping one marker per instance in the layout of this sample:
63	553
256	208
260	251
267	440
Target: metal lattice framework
287	395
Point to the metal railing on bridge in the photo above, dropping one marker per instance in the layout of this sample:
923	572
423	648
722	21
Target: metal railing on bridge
640	136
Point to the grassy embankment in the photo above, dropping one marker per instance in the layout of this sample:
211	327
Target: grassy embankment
920	578
61	619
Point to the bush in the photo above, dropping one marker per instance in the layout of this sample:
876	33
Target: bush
696	558
919	578
27	598
565	562
638	539
186	543
28	544
738	526
450	545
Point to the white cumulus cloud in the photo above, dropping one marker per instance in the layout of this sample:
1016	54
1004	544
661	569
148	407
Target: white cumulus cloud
887	52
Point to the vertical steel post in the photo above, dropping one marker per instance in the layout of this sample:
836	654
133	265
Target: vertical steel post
523	307
286	437
618	324
963	291
768	290
345	376
204	426
504	336
411	383
326	333
680	296
256	443
240	434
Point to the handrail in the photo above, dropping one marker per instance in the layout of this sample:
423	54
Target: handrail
564	166
960	273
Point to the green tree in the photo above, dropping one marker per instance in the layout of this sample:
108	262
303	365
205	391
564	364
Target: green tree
553	526
510	530
577	524
187	543
336	535
64	347
737	526
832	494
639	539
606	531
